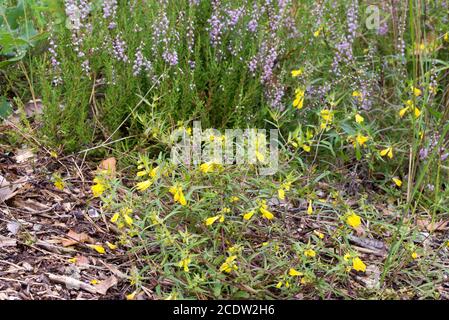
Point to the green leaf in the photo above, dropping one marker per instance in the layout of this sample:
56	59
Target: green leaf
5	108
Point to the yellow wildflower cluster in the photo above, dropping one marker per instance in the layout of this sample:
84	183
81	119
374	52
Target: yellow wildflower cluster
299	98
353	219
99	187
123	218
152	173
229	265
178	195
220	217
410	106
356	263
263	209
327	116
283	187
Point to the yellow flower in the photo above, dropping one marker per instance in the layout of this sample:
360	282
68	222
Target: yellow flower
359	118
316	34
234	199
354	220
310	208
144	185
229	264
131	296
310	253
279	284
281	194
141	173
98	189
210	166
417	112
414	255
297	73
416	91
446	37
249	214
210	221
266	214
299	98
306	147
111	245
327	115
94	281
397	181
59	184
319	234
184	263
97	248
72	260
361	139
387	152
115	217
358	95
346	257
178	195
128	219
153	172
403	111
294	273
358	264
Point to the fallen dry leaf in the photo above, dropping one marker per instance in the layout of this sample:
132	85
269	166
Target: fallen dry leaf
7	242
109	165
23	155
75	238
105	285
426	224
6	191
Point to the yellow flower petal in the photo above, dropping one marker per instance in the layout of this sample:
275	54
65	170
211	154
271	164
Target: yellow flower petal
310	208
359	118
403	111
266	214
97	248
294	273
416	91
128	220
306	147
397	181
358	264
98	189
115	217
111	245
354	220
249	215
144	185
210	221
310	253
281	194
415	255
297	73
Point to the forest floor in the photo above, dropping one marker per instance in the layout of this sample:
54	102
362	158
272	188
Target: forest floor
47	236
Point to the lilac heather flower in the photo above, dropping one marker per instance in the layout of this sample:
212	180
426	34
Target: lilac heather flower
140	62
119	49
110	12
171	57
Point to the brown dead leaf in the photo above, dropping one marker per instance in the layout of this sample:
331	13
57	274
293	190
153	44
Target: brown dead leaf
6	191
105	285
109	165
426	224
75	238
34	107
7	242
23	155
